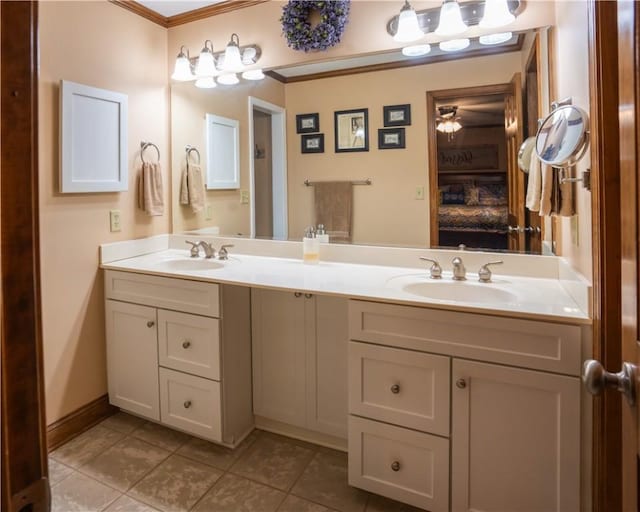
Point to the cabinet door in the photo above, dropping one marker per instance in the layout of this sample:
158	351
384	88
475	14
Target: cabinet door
132	358
327	358
515	439
278	342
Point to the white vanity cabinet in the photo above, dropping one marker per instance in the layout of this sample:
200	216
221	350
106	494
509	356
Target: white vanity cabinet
300	362
510	388
179	352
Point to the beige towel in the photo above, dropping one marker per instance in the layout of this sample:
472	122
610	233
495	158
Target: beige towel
546	190
192	187
565	204
150	194
333	202
534	185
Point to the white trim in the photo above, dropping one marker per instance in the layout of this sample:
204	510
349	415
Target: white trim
279	165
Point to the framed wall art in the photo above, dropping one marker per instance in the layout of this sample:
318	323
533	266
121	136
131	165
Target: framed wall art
391	138
397	115
313	143
307	123
351	130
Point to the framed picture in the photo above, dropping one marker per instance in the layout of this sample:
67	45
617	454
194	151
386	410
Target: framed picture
307	123
469	158
397	115
313	143
352	130
391	138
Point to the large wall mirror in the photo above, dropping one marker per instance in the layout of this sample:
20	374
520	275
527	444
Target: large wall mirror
417	185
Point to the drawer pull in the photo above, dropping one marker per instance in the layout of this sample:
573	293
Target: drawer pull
297	295
308	295
461	383
187	404
395	389
150	324
186	344
395	465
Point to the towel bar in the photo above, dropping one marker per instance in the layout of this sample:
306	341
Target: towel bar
356	182
144	145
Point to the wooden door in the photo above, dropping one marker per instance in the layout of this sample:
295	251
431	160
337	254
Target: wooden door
513	123
515	439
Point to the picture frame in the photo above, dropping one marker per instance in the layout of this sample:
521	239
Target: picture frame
351	128
312	143
391	138
397	115
307	123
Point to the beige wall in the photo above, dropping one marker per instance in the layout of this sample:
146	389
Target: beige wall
385	212
102	45
188	108
571	68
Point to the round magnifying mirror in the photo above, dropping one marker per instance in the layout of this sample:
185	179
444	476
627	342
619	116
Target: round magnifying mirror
563	136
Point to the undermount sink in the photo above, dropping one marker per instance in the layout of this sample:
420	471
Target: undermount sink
187	264
463	291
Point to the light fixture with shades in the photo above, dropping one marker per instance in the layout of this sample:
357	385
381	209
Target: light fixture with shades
447	122
416	50
454	45
496	14
211	68
499	38
451	23
408	29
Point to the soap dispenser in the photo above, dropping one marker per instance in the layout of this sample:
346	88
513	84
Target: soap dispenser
321	234
310	247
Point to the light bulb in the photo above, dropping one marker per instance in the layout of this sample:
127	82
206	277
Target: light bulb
490	39
496	14
408	27
417	50
253	74
206	65
206	83
455	45
228	79
232	60
451	22
182	70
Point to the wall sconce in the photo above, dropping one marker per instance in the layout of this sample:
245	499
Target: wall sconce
408	28
453	19
221	67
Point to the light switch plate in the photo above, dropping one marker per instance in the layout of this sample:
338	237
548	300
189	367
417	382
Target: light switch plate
244	197
114	221
208	212
419	193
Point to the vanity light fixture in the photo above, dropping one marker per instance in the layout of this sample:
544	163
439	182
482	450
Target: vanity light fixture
253	74
408	28
208	82
496	14
182	70
499	38
206	66
228	79
451	23
454	45
232	58
416	50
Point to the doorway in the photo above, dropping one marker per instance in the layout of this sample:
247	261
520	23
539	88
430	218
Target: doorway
268	170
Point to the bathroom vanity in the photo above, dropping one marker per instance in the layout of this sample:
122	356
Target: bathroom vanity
445	404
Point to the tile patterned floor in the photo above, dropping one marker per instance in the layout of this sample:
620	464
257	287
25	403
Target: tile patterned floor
126	464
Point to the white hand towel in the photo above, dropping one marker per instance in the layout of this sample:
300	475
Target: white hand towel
534	186
547	190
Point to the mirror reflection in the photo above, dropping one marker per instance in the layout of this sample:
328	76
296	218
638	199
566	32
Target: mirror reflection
398	191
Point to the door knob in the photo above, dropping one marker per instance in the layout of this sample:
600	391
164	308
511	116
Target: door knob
596	379
514	229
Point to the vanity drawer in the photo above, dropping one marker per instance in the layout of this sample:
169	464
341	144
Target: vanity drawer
163	292
401	464
191	404
397	386
529	343
189	343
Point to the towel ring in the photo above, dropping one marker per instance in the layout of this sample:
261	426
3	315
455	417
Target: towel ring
189	149
144	145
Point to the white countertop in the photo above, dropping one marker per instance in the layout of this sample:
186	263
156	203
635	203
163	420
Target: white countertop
526	297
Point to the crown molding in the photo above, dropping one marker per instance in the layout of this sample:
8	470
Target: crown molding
143	11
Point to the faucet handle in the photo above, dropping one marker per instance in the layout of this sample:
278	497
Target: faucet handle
209	251
223	254
435	270
484	274
195	248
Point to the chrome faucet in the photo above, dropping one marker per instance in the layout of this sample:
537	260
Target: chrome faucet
195	249
459	272
209	251
484	274
435	272
223	254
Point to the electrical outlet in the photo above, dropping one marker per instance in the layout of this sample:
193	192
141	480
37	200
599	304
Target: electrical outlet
244	197
114	221
419	193
208	212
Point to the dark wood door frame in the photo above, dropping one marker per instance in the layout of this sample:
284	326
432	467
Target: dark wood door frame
24	463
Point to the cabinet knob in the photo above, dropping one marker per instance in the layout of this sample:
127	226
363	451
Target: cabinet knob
186	344
187	404
395	465
395	389
298	295
308	295
461	383
150	324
